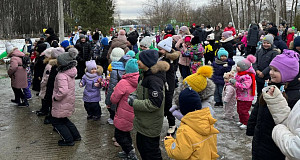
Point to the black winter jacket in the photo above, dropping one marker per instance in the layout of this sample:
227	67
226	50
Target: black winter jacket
253	37
200	33
85	51
39	68
228	46
52	38
50	84
263	60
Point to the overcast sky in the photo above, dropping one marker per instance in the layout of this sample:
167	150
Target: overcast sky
131	9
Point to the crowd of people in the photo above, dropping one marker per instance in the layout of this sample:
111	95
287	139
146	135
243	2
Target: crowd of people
141	87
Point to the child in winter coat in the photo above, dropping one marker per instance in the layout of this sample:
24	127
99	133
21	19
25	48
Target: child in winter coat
185	56
91	94
118	69
63	104
148	104
193	139
245	88
290	36
221	65
18	74
123	120
229	96
39	66
210	49
264	56
227	43
169	55
271	115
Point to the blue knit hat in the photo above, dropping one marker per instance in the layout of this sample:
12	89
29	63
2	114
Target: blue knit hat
222	52
65	43
131	66
131	53
189	101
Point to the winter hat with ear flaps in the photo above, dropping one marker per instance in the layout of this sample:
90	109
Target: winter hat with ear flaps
288	65
189	101
65	58
245	64
166	44
269	39
198	80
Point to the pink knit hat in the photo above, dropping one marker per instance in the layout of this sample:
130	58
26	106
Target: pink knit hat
122	35
245	64
288	65
227	34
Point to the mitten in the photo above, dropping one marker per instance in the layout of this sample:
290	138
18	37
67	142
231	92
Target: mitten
173	108
177	114
131	99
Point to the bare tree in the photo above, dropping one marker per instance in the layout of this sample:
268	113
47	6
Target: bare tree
292	10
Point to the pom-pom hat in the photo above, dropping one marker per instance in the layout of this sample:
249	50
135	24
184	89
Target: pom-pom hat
245	64
68	57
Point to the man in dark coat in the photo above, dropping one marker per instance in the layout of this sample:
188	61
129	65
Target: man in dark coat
199	32
132	37
252	39
84	49
278	42
51	37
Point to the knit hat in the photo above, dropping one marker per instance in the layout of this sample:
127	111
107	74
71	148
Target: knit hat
131	53
65	43
288	65
81	36
187	39
9	48
41	47
176	37
65	58
131	66
185	30
269	39
230	23
146	42
96	36
211	36
48	52
297	42
57	51
290	30
169	27
222	52
116	54
189	101
90	65
245	64
166	44
149	57
198	80
49	31
227	34
273	30
121	35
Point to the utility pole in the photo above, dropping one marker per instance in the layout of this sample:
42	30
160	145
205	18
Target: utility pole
278	6
61	20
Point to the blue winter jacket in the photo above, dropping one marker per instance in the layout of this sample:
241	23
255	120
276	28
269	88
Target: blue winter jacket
219	70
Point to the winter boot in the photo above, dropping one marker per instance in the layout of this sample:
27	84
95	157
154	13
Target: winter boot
24	103
132	155
122	154
63	143
14	101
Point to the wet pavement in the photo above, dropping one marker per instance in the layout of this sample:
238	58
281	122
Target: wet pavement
24	136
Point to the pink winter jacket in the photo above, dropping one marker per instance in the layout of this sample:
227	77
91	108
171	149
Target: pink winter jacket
244	86
63	103
229	94
16	72
244	40
124	116
45	81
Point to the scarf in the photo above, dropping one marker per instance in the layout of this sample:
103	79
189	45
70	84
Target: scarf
253	80
218	61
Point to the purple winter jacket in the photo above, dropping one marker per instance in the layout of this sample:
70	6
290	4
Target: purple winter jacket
63	103
91	93
124	116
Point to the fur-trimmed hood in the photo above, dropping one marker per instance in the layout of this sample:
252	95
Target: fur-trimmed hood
227	40
173	56
160	66
67	67
47	60
53	62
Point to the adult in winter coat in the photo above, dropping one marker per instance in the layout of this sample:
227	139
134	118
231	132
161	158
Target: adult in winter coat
117	42
286	132
196	138
290	36
148	104
63	99
230	28
252	38
123	120
39	67
102	59
132	37
169	55
284	70
51	37
218	34
278	42
264	56
227	43
200	33
17	73
85	54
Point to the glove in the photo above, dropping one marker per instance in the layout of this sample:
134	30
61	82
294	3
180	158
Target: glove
131	99
173	108
232	81
225	65
177	114
209	62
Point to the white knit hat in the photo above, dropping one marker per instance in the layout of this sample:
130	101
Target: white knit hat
116	54
9	48
146	42
166	44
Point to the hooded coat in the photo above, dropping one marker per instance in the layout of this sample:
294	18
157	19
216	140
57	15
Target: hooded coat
16	72
63	104
253	36
279	43
124	116
196	137
199	32
45	80
149	105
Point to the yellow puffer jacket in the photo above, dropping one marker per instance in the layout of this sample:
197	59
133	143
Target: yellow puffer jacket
196	138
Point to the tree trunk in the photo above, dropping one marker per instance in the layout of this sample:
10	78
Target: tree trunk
259	11
243	12
254	9
296	9
61	20
284	10
292	9
238	14
231	13
222	11
249	11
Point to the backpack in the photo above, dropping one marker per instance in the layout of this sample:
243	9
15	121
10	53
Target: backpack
25	61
